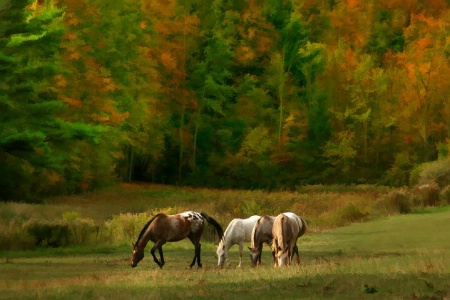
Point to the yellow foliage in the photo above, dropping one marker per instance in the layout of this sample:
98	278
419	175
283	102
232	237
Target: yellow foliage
27	167
74	56
52	177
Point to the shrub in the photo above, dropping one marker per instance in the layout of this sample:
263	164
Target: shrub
398	174
396	201
445	194
13	237
125	227
348	214
81	229
429	194
48	233
436	171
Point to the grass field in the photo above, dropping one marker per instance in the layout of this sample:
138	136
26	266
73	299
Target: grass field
396	257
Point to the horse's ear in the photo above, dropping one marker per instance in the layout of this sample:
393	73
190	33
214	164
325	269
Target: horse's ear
250	248
133	244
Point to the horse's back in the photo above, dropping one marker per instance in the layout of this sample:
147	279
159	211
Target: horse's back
240	229
262	230
299	221
174	228
249	223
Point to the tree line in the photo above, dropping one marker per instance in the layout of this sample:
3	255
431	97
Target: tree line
231	94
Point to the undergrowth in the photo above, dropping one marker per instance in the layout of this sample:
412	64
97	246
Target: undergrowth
116	215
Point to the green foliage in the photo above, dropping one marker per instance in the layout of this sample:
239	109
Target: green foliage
35	145
341	216
399	173
125	227
341	153
82	229
47	233
436	171
224	94
445	194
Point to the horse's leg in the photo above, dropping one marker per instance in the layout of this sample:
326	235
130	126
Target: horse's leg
260	248
274	252
241	248
197	250
158	245
161	256
295	251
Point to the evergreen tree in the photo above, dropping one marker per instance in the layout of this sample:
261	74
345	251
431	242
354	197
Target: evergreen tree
35	135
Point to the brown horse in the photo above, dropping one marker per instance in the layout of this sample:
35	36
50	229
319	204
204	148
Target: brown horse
164	228
287	228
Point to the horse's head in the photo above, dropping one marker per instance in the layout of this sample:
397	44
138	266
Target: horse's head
282	256
255	255
138	255
222	254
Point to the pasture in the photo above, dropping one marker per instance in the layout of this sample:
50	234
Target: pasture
395	257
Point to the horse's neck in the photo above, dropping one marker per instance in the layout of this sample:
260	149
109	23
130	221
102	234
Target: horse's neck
226	241
143	241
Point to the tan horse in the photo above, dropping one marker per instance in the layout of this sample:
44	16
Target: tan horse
164	228
287	228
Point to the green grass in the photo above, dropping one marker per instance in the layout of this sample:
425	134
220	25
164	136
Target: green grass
397	257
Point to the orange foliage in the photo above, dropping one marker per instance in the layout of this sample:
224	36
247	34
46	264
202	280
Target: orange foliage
168	61
424	43
353	3
72	102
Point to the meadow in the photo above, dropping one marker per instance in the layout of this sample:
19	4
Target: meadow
358	246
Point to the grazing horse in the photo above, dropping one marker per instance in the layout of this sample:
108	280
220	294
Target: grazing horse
287	228
261	233
164	228
237	232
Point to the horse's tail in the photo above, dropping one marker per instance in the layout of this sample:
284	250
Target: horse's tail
282	231
213	223
303	228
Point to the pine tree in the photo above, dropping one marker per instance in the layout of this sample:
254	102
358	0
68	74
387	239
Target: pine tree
35	136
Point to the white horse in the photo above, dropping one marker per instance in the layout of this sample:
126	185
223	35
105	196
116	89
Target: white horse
237	232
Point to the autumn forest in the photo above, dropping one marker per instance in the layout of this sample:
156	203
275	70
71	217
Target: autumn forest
257	94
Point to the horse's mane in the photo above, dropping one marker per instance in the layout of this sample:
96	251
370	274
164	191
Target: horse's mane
146	227
252	238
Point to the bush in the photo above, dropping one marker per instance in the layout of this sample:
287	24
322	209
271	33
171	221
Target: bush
81	229
397	202
348	214
125	227
445	194
13	237
398	174
436	171
47	233
429	194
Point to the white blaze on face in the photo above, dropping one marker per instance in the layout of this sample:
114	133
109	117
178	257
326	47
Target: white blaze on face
282	256
221	254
